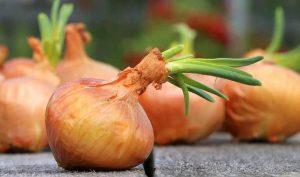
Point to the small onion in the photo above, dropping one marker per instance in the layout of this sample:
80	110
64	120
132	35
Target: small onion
76	64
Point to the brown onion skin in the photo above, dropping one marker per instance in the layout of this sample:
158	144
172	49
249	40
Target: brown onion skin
267	113
23	103
18	67
76	63
165	109
93	126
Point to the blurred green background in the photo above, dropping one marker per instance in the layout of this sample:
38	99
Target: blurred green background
123	30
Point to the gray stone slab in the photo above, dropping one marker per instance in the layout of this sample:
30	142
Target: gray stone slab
217	156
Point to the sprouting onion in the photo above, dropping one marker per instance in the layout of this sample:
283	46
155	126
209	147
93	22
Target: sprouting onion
268	113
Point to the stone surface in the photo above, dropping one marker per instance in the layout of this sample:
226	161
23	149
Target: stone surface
217	156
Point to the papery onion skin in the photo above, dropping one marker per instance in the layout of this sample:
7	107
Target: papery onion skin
23	103
76	63
18	67
269	112
165	109
112	132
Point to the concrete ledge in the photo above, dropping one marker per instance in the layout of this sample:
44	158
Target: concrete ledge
218	156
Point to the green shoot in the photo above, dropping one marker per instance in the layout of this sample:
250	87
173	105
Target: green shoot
278	31
52	30
218	67
187	37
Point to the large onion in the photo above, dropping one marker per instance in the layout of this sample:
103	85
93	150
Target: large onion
94	126
76	64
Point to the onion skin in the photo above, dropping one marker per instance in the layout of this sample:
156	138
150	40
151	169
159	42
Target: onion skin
76	64
268	113
113	133
18	67
167	117
23	103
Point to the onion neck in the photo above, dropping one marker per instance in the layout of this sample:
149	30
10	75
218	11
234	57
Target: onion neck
151	70
76	39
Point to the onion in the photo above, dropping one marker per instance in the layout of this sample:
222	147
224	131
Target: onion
264	113
23	103
100	125
268	113
76	64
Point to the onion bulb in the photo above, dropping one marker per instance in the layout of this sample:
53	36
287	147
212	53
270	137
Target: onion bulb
268	113
23	103
93	124
264	113
76	64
